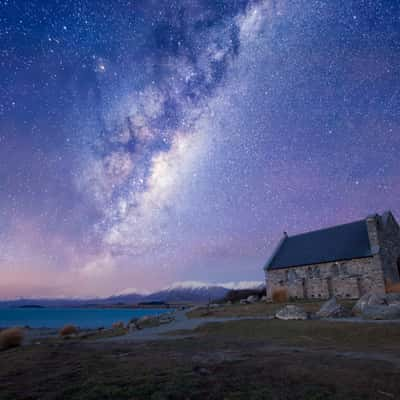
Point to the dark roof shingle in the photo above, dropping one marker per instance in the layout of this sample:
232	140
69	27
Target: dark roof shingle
342	242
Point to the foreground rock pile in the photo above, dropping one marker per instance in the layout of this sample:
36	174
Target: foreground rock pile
378	306
291	312
371	306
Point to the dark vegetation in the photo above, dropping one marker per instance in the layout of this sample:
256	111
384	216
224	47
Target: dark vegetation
11	337
236	295
248	360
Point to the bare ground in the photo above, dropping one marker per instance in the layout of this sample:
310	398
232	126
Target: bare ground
237	359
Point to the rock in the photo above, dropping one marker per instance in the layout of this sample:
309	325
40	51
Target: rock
331	309
201	370
392	299
291	312
369	299
228	303
381	312
85	334
132	327
166	319
252	299
263	299
214	305
243	301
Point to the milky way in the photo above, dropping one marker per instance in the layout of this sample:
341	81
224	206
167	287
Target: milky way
147	142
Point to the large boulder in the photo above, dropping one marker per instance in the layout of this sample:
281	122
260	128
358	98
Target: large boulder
392	299
291	312
369	299
331	309
381	312
252	299
132	327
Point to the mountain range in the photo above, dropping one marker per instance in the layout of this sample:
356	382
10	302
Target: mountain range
196	292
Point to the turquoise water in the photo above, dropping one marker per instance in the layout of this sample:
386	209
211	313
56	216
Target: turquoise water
82	317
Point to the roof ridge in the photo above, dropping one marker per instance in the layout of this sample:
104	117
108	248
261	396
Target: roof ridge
326	229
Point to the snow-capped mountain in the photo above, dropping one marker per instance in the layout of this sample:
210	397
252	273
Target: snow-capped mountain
195	291
189	291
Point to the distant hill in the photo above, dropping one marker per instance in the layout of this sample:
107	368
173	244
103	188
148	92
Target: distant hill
195	292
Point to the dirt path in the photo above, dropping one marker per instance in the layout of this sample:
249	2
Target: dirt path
181	322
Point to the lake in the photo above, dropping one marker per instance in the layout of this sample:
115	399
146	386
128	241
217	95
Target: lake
81	317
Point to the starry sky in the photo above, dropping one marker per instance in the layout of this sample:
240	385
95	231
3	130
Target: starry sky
146	142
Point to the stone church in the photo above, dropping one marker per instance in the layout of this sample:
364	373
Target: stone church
344	261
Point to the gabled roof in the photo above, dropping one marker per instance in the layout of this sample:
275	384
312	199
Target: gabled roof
342	242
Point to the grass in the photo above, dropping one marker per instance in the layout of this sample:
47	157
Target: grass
259	309
227	362
107	333
11	337
251	360
340	335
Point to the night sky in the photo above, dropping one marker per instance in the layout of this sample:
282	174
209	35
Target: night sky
148	142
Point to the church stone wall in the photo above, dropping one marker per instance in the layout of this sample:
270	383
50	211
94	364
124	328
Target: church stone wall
388	232
345	279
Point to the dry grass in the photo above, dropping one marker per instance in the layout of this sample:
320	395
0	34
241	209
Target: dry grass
11	337
392	287
280	295
68	330
260	309
237	360
308	334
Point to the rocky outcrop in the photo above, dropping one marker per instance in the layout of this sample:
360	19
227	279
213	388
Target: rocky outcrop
252	299
381	312
378	306
291	312
369	299
392	299
331	309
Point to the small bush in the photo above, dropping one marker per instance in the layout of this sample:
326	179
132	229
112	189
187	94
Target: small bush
11	337
280	295
68	330
392	287
118	325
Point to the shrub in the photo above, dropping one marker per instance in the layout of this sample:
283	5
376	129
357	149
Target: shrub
235	295
392	287
118	325
11	337
280	295
68	330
